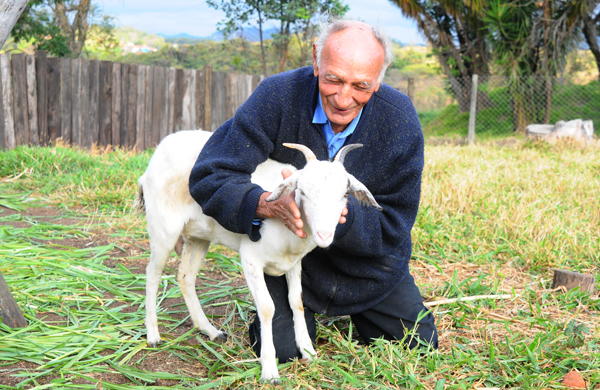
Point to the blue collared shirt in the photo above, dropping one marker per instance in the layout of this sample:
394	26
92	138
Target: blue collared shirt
334	141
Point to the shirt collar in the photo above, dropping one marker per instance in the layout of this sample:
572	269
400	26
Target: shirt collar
321	118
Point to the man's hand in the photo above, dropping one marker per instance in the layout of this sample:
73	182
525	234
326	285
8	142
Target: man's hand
286	210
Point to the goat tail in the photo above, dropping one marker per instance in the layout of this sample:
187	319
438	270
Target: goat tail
138	204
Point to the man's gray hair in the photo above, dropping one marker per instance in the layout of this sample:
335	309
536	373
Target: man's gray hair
334	26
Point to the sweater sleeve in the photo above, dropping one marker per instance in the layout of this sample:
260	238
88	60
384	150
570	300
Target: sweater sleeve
220	179
391	167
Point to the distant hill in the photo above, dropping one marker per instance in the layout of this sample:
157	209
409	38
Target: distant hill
248	33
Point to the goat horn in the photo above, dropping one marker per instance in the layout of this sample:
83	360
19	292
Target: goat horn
343	151
310	156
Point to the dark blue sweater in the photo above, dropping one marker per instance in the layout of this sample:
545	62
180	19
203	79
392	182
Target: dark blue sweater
370	253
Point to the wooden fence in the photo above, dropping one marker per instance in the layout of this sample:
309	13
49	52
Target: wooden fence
89	102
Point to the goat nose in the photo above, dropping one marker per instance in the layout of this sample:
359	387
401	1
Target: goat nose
324	236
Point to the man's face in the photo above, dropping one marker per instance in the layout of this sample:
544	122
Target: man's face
351	62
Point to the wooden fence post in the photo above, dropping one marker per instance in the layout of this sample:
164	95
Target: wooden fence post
140	110
158	83
171	72
116	104
124	100
105	93
93	128
132	89
66	103
76	102
53	94
41	72
473	112
411	88
148	98
163	124
19	81
207	98
218	100
32	112
7	102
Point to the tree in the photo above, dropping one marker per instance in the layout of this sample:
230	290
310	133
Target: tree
457	35
297	17
37	24
238	13
62	31
10	11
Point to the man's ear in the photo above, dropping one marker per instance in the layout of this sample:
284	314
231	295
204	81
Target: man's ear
315	67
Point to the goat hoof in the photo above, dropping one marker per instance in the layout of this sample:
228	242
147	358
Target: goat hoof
154	345
222	337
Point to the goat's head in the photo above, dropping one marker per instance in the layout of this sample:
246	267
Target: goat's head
321	188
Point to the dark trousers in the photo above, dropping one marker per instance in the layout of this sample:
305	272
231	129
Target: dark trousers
390	319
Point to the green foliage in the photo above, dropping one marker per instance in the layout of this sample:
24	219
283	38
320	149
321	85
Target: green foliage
36	24
498	120
75	265
575	333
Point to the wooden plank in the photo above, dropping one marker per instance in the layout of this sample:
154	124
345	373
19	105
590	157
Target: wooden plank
218	100
7	102
66	103
53	94
207	125
164	107
148	107
157	103
255	81
170	100
178	101
32	114
21	118
93	128
76	103
200	99
140	109
132	90
191	91
41	72
569	280
124	100
116	105
186	102
105	103
230	91
84	97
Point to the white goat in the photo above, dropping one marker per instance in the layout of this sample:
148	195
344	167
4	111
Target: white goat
320	188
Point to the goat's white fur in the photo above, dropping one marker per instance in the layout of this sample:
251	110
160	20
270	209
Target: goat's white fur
170	212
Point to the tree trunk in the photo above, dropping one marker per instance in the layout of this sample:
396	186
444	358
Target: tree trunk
591	37
10	11
76	31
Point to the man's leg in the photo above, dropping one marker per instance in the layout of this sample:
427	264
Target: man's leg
283	322
396	315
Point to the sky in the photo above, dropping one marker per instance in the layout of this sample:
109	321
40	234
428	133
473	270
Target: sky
198	19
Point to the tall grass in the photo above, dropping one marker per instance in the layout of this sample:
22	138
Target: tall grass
493	221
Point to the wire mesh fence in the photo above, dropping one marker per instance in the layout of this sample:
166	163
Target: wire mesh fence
504	107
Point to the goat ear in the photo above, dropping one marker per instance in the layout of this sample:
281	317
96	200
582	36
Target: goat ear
285	188
361	193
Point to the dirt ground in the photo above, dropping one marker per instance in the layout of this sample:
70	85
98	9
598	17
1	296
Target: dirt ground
154	362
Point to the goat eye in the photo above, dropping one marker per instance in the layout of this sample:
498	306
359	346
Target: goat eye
301	192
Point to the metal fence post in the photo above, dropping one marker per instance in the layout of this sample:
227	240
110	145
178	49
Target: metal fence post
473	112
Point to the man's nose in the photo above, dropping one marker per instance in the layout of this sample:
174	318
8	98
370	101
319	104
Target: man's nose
344	96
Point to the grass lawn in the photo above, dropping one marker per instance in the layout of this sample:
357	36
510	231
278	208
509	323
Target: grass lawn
494	221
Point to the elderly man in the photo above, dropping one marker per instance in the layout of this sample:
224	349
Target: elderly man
337	101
